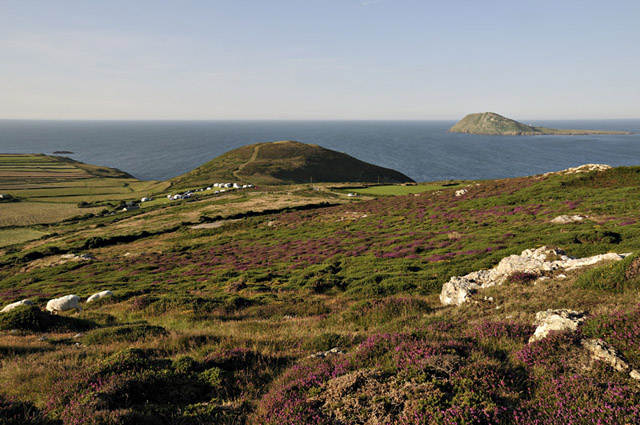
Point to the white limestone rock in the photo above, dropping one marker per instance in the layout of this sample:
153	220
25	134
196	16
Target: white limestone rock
586	168
566	219
556	320
601	351
77	257
459	289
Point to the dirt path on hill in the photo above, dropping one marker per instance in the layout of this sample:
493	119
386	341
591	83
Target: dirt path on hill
254	155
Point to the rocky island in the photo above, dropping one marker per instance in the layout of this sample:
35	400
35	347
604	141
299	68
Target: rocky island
492	124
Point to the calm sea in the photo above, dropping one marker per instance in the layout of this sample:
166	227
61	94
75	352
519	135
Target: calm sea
423	150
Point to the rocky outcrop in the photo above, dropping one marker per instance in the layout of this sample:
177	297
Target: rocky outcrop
459	289
586	168
556	320
335	351
601	351
75	257
566	219
568	321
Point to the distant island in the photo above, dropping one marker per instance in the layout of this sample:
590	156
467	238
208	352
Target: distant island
63	153
492	124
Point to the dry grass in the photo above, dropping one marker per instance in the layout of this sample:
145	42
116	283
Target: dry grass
14	236
30	213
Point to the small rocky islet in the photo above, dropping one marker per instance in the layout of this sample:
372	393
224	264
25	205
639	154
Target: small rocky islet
492	124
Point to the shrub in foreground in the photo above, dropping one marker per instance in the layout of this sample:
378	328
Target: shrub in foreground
31	318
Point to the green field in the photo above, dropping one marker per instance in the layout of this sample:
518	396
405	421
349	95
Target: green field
17	236
50	188
395	190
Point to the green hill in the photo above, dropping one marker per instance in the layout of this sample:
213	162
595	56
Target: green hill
490	123
287	162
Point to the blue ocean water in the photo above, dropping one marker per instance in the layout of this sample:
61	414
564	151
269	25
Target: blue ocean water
423	150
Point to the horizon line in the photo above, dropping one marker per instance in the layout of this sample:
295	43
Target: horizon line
286	119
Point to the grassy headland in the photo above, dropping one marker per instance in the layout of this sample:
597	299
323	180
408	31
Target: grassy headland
287	162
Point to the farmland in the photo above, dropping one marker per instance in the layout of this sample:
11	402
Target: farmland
51	188
395	190
217	325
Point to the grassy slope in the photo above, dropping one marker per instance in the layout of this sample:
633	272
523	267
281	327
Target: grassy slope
250	299
286	162
490	123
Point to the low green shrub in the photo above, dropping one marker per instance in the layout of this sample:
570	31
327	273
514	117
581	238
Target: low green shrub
212	376
31	318
599	236
184	364
127	360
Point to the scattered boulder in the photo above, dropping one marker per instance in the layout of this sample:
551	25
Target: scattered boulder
76	257
68	302
99	295
11	306
459	289
461	192
567	219
333	352
601	351
556	320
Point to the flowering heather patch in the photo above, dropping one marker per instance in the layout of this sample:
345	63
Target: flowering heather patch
620	329
627	222
552	353
498	330
522	277
580	399
463	391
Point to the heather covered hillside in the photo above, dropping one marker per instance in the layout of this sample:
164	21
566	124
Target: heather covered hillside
302	305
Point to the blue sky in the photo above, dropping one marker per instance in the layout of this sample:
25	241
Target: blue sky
318	59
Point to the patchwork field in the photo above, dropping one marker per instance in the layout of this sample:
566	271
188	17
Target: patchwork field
217	324
51	188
